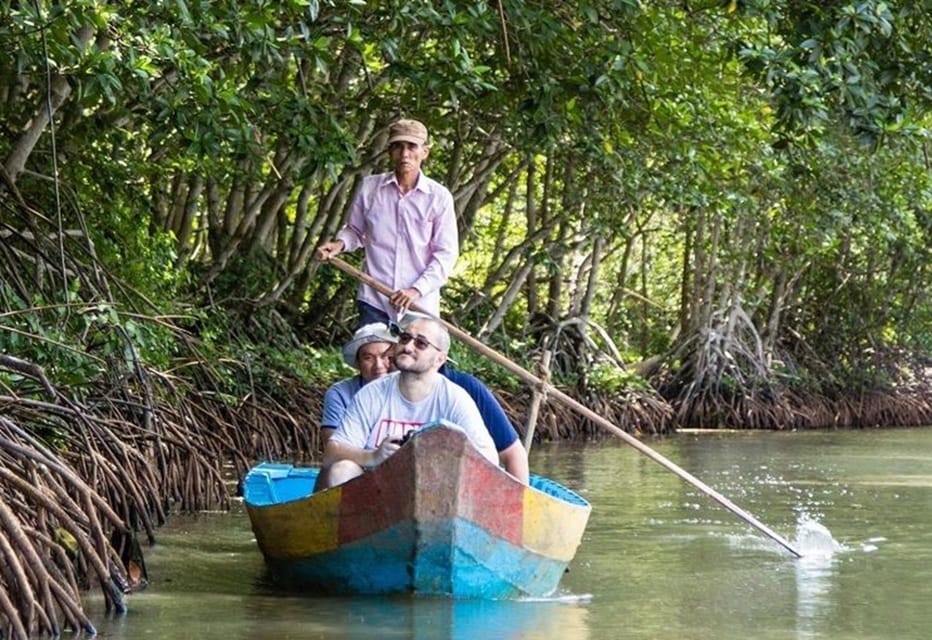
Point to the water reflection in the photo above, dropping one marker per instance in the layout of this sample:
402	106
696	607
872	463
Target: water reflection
815	575
469	619
814	579
276	616
406	616
414	618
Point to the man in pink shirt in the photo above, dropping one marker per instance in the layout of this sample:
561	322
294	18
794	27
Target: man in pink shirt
406	225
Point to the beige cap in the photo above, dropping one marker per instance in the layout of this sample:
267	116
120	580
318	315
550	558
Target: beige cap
407	131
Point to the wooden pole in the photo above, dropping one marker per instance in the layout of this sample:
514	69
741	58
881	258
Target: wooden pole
539	394
581	409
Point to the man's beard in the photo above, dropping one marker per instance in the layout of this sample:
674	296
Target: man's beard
411	364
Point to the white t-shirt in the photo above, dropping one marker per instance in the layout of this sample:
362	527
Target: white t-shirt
379	411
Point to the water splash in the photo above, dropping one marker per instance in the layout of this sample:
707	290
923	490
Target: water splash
814	541
559	596
872	544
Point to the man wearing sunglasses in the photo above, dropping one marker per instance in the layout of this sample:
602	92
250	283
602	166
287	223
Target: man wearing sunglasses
385	410
370	351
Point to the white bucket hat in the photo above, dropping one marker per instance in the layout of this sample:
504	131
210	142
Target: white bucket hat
375	332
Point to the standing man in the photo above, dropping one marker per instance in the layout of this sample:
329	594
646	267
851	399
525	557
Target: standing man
386	409
405	223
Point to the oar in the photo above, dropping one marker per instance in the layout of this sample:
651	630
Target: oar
582	409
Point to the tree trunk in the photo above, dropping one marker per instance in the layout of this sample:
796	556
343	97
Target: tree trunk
688	300
533	215
527	247
592	282
186	243
59	91
503	224
511	294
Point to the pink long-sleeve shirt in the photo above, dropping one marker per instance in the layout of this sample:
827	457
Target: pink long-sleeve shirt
410	240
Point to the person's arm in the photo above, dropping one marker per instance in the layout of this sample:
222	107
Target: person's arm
404	298
352	236
348	442
325	433
494	417
336	399
514	460
511	452
337	450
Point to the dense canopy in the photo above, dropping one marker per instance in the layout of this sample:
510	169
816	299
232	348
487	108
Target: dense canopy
711	213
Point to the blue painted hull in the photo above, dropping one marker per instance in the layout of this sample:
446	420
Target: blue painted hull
480	566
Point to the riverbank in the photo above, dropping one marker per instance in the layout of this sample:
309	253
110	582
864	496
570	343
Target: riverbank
648	414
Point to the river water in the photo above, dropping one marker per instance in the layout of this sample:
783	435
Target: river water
659	560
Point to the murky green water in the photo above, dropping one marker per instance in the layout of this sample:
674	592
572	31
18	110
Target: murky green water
659	560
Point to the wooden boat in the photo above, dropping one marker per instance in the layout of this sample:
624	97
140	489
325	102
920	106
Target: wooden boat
435	518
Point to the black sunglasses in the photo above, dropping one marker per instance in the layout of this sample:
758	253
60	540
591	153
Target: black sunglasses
419	341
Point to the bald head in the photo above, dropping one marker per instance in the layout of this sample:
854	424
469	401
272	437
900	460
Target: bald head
432	330
422	346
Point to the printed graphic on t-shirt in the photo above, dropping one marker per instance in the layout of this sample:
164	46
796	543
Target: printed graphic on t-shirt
391	429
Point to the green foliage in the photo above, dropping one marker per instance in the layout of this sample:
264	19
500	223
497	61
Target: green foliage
491	373
842	61
611	380
245	279
767	153
273	369
77	343
855	228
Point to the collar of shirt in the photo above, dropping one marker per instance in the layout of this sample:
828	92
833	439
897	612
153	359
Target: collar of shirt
422	183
